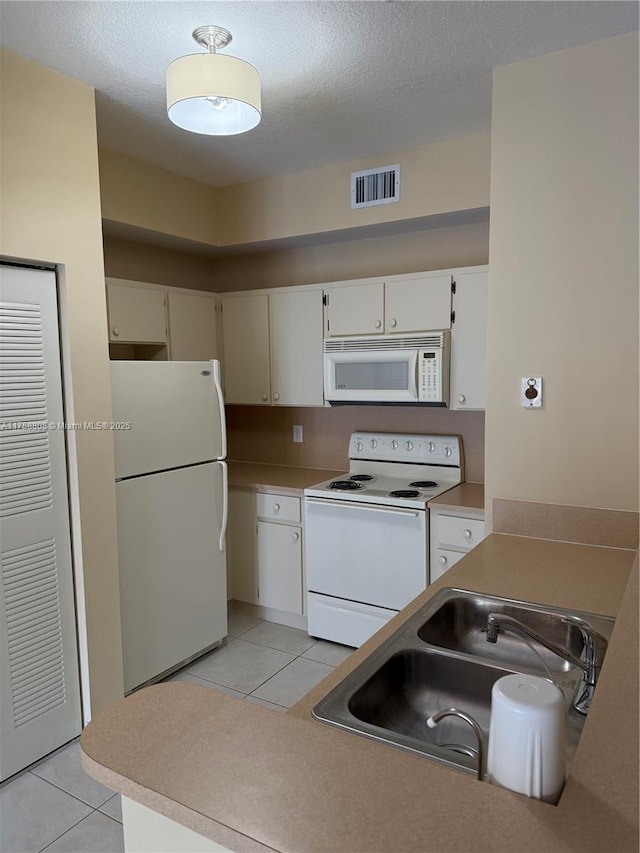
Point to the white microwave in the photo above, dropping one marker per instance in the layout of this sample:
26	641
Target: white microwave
388	369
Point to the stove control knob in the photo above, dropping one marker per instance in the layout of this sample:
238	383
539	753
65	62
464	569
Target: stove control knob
409	445
432	446
448	451
373	443
359	447
394	444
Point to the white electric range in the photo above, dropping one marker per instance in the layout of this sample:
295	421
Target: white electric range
367	532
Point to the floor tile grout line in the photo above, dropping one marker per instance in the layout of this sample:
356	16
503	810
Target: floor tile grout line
273	676
64	791
266	679
216	684
265	646
53	840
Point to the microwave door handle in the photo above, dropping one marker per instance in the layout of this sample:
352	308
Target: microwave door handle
413	374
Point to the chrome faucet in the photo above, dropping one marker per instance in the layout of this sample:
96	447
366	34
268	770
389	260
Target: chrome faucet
434	719
590	666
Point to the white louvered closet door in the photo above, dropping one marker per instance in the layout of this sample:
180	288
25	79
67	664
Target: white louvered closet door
39	684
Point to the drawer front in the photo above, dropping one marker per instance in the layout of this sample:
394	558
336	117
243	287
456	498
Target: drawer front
441	560
459	532
278	507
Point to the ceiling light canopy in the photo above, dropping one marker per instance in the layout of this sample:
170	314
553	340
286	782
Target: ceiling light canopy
211	93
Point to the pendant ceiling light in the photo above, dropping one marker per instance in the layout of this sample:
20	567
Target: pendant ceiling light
212	93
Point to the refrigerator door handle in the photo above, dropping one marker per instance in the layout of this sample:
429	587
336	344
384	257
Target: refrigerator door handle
225	505
223	425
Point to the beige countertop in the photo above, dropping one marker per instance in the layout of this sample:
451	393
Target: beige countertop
252	779
467	496
282	479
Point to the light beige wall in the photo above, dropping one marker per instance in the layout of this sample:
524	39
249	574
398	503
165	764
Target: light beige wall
439	178
563	290
50	211
264	434
464	245
443	177
145	196
143	262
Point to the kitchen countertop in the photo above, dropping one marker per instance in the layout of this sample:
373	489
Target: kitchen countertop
282	479
252	779
467	496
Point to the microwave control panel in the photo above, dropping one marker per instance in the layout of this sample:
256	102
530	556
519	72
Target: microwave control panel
429	375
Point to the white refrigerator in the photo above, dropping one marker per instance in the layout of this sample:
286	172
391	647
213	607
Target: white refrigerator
171	496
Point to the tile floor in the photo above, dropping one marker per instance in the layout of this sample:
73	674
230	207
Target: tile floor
55	806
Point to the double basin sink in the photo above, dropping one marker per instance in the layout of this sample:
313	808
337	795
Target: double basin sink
440	658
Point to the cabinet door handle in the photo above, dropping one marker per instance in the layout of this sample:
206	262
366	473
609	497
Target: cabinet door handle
265	397
466	534
378	323
443	560
295	536
393	324
461	398
116	331
276	396
276	507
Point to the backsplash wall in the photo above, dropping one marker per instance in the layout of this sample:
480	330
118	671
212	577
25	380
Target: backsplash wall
264	433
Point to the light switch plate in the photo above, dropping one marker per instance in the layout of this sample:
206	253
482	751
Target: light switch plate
297	433
531	392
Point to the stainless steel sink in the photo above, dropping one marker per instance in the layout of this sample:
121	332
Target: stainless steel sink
459	624
414	684
440	658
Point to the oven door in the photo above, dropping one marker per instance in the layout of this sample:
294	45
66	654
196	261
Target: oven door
371	376
367	553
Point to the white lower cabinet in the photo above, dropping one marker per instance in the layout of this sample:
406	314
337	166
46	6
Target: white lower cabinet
280	566
452	535
265	551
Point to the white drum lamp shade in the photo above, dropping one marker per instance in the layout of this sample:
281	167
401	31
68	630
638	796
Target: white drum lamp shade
213	94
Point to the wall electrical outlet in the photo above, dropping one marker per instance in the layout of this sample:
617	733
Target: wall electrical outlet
531	392
297	434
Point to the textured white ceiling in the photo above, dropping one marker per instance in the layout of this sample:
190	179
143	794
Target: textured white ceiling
341	80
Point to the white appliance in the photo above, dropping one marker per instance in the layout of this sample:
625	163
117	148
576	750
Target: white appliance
412	369
367	532
171	497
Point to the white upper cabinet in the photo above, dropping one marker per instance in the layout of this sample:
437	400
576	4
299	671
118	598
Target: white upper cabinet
355	308
417	303
273	348
245	332
296	348
192	326
469	340
396	305
136	314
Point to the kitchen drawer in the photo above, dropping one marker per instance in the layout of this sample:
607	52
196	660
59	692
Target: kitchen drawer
441	560
459	532
278	507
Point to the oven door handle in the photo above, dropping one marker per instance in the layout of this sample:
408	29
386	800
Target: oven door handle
367	507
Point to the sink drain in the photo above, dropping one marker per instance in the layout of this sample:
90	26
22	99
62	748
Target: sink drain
460	748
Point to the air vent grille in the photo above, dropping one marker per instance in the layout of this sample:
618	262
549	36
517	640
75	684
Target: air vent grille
34	632
25	473
375	186
435	339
